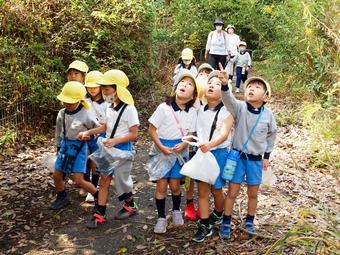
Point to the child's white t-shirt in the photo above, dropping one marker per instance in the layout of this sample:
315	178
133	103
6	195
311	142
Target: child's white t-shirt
99	108
164	120
128	119
205	120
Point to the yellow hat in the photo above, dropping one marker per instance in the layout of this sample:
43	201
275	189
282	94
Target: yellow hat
266	84
118	78
186	73
78	65
242	43
92	78
187	54
205	66
73	92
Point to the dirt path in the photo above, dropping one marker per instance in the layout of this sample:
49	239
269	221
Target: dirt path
303	204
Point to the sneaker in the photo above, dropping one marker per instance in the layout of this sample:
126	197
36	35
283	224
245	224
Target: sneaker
230	82
82	193
60	202
237	90
215	220
225	231
177	218
160	226
202	232
249	226
189	212
96	220
89	198
126	212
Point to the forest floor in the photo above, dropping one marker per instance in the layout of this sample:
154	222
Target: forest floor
297	215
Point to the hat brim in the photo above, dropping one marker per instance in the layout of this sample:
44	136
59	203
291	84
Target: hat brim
188	74
266	84
76	68
92	85
67	100
124	95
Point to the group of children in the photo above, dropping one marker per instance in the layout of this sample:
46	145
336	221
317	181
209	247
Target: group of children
98	106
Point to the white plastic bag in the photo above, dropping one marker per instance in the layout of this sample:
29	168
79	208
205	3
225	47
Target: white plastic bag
203	167
268	177
159	165
108	159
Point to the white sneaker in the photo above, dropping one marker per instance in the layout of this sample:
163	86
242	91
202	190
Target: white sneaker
89	198
237	90
230	82
177	218
161	225
82	193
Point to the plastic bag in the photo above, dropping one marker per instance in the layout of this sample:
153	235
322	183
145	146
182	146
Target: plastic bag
159	165
108	159
203	167
48	161
268	177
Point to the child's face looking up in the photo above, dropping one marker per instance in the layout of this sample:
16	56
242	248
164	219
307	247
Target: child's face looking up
185	89
71	107
255	92
75	75
214	89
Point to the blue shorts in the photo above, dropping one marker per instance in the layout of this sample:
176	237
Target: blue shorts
174	171
79	163
249	171
221	158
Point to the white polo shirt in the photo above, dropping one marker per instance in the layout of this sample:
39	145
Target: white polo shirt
128	119
205	120
164	120
99	108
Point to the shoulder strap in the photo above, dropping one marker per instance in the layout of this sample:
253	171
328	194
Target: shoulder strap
117	121
177	121
213	126
252	130
64	125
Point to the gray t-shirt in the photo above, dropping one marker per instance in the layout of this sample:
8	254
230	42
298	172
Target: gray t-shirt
263	138
78	121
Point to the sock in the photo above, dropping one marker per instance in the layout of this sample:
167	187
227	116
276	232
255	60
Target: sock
160	204
101	209
250	218
61	194
95	195
205	222
95	179
130	203
218	214
189	201
176	202
226	219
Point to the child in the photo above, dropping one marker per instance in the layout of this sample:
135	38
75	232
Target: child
202	80
72	154
168	124
98	107
77	71
214	124
120	133
233	43
186	61
243	63
258	144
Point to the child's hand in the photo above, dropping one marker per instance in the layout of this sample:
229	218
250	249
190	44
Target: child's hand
180	147
166	150
109	142
247	68
93	167
205	147
206	56
222	75
83	136
265	164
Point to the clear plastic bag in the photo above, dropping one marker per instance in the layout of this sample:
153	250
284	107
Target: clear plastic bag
159	165
203	167
268	177
48	161
108	159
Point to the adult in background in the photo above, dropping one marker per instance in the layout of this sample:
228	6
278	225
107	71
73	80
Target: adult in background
232	47
216	48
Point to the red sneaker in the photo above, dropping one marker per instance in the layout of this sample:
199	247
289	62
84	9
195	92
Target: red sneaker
190	213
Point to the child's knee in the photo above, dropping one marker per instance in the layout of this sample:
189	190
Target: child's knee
232	194
252	195
217	193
